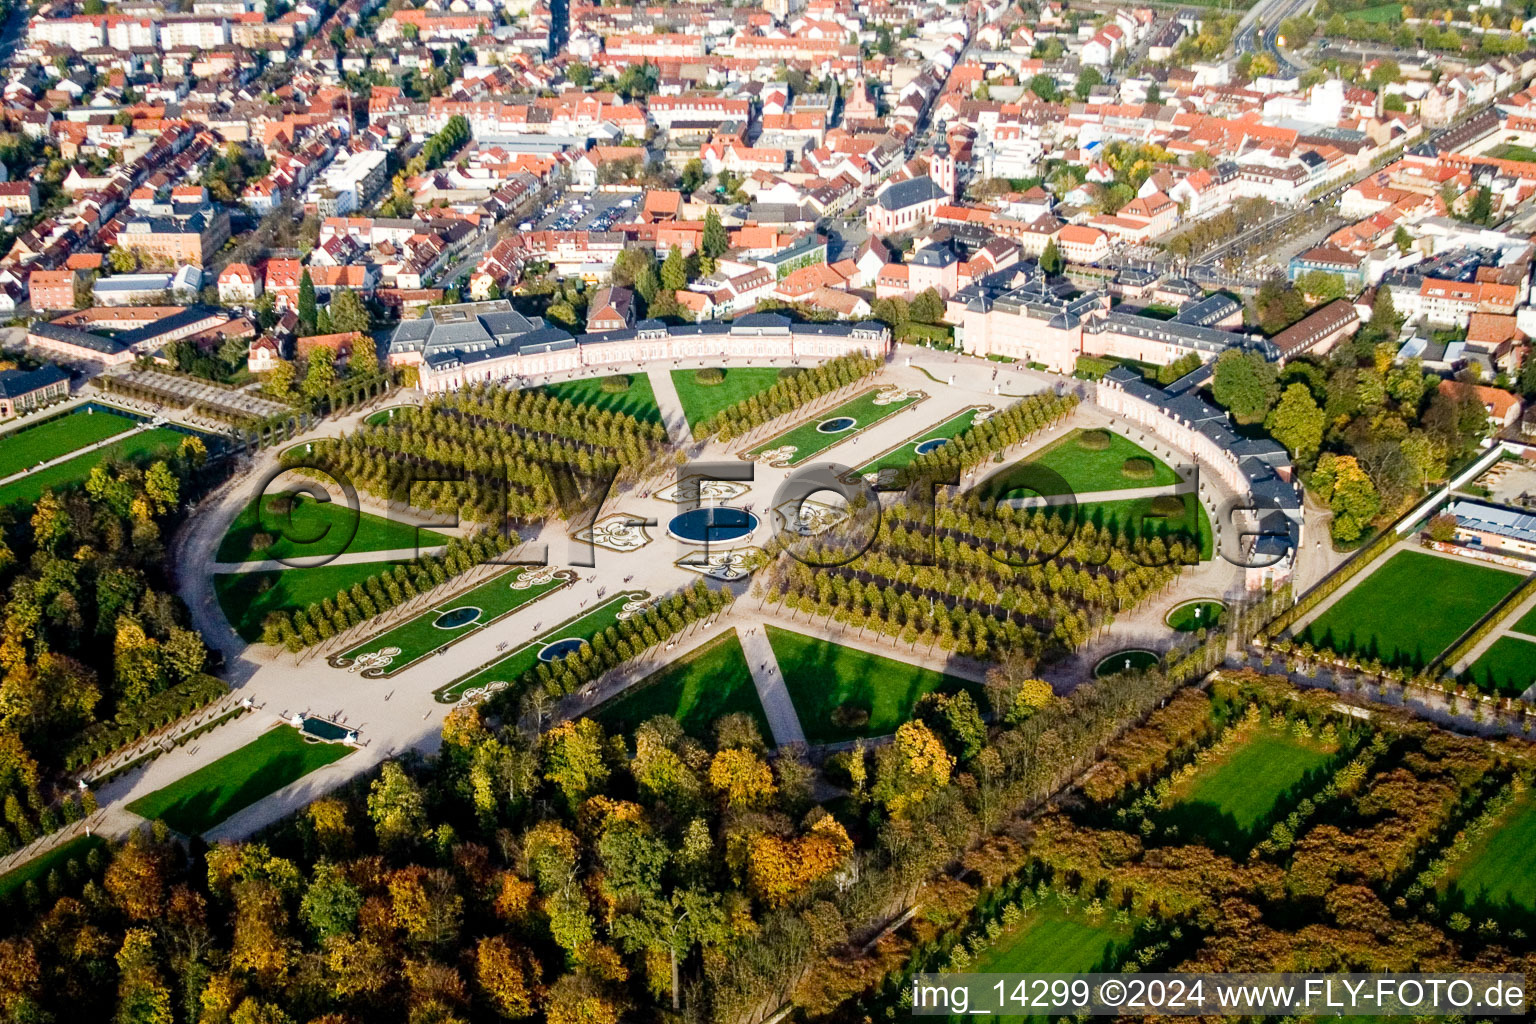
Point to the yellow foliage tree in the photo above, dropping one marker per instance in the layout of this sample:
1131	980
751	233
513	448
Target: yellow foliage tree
508	976
743	778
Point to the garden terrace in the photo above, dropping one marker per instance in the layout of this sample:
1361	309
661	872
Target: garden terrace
629	394
981	441
788	394
615	632
1409	608
298	608
1493	872
451	620
200	800
842	693
49	439
703	402
140	446
1091	460
815	434
893	462
297	525
696	690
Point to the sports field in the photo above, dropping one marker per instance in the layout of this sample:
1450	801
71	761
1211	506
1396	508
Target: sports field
825	678
1410	608
1229	799
807	440
702	401
1084	469
901	457
511	666
316	528
131	448
443	624
47	439
36	869
704	685
639	401
1500	868
247	598
198	801
1507	667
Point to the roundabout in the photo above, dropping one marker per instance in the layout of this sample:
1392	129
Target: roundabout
712	524
836	425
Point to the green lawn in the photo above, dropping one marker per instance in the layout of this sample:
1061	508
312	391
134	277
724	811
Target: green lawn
704	685
702	401
420	636
196	802
1132	659
1527	624
1135	517
248	597
1383	13
1229	799
1507	667
1050	939
383	416
1194	615
317	528
1510	151
51	438
1410	608
823	676
1500	868
36	869
1084	470
639	401
901	457
140	444
510	666
808	441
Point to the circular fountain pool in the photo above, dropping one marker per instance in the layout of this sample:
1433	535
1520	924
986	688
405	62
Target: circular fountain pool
712	524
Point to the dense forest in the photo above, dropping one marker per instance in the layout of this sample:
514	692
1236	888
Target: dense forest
94	646
573	875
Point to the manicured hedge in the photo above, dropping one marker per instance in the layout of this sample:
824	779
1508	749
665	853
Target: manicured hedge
158	711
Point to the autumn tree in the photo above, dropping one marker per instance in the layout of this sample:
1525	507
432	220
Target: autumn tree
574	760
1348	491
508	976
396	805
910	770
742	779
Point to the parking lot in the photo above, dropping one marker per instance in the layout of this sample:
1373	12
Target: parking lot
599	211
